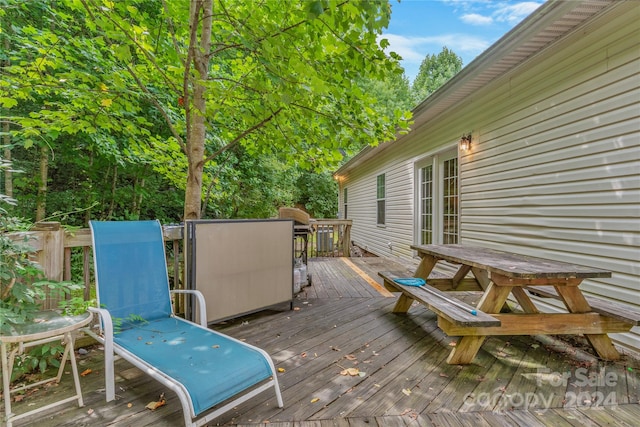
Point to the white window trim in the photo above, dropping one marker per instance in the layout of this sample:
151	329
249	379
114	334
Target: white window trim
437	161
384	224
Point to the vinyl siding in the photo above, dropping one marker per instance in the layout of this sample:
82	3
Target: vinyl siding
553	169
555	172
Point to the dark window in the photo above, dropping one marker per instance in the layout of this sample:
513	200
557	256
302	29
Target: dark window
381	202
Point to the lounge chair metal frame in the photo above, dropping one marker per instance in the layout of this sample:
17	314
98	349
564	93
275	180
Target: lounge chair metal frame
105	335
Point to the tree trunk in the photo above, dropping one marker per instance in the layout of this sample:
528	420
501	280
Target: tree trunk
41	199
138	187
114	186
8	175
201	13
6	139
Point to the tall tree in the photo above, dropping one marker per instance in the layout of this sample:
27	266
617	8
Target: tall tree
393	93
434	71
277	76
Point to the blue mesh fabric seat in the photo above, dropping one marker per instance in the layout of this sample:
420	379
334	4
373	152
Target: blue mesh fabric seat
210	372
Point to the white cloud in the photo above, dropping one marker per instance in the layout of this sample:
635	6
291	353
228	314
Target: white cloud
486	12
406	47
476	19
515	13
414	49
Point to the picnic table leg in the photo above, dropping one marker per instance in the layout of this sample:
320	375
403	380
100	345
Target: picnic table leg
482	277
575	302
460	274
426	265
523	299
403	304
467	347
465	350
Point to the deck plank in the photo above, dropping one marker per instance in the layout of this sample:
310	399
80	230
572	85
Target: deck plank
339	315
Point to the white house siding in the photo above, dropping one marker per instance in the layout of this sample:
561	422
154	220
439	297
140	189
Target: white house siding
554	165
554	171
398	165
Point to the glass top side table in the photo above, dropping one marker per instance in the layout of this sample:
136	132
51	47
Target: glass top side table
47	326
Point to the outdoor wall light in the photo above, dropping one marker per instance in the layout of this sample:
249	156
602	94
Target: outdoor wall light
465	142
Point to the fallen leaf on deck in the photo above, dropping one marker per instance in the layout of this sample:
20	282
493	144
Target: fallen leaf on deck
502	354
350	371
86	372
90	411
410	412
281	370
296	308
303	355
350	357
452	344
155	405
444	375
315	399
406	391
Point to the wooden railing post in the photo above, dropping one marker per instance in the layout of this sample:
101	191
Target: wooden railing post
347	240
51	257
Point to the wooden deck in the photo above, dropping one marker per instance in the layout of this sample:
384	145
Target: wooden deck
343	321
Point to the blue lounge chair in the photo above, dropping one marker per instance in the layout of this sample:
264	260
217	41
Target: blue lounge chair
209	371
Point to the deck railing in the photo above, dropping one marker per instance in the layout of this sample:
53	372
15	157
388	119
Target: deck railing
54	248
331	238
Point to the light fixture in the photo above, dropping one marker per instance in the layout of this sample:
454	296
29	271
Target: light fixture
465	142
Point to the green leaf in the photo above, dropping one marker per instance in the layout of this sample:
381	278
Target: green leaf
8	102
315	8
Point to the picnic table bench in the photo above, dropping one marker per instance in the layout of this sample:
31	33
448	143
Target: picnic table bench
497	275
446	306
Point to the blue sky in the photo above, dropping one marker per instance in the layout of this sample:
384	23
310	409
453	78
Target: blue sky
467	27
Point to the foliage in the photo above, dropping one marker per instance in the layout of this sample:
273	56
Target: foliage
246	186
106	91
318	193
132	320
38	358
139	83
22	284
393	92
434	71
22	288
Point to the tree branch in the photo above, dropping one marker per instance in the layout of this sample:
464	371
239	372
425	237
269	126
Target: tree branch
159	107
238	138
147	55
172	31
